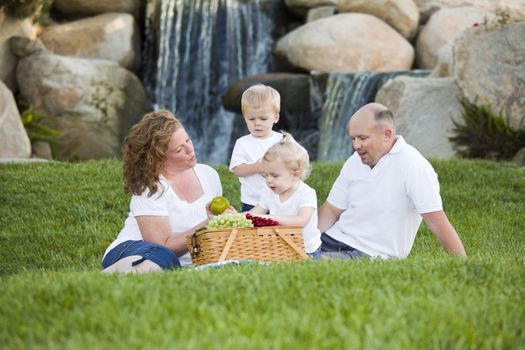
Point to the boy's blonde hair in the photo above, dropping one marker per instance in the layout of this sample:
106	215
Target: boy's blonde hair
258	96
294	157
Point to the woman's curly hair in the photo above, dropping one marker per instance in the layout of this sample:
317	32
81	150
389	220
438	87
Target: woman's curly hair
144	151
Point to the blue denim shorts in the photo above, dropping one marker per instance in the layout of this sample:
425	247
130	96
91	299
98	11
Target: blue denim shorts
160	255
246	207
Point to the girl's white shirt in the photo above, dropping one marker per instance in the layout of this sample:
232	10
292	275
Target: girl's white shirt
304	196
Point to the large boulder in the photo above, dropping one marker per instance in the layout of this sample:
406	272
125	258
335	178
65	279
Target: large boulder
14	142
93	101
351	42
489	68
320	12
300	7
111	36
10	27
23	47
445	62
423	110
442	28
515	8
83	8
402	15
294	89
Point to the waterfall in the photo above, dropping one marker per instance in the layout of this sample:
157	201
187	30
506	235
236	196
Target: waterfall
345	94
203	46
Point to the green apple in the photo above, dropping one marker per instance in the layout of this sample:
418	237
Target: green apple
218	205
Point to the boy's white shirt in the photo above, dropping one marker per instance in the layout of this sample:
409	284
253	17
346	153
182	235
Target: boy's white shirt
304	196
248	150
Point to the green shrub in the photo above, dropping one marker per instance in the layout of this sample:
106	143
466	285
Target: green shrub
37	10
485	135
34	128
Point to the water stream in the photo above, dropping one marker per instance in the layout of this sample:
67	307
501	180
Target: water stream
202	47
345	94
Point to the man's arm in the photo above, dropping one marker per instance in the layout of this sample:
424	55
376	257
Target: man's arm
327	216
438	223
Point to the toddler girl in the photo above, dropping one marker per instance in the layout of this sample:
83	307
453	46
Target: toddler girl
286	198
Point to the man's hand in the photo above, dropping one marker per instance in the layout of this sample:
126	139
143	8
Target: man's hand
327	216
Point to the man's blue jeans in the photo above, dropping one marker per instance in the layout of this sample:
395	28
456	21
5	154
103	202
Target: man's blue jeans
332	248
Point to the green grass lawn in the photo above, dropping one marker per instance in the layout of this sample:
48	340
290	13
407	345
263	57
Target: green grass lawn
58	218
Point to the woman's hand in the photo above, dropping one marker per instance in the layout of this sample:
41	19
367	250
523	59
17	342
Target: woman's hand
230	210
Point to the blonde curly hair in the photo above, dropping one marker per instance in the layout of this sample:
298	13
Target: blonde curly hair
294	157
144	151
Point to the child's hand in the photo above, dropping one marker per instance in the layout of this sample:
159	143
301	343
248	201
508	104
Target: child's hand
231	210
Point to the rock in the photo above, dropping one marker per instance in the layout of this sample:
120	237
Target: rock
22	160
293	88
445	65
402	15
442	28
14	142
519	157
301	7
350	42
41	149
516	8
110	36
23	47
490	70
83	8
320	12
423	108
93	101
10	27
83	139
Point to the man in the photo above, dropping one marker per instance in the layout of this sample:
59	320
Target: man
384	189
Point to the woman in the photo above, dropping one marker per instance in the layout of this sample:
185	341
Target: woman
170	197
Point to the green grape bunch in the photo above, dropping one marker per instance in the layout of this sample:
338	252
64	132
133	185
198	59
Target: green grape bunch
228	220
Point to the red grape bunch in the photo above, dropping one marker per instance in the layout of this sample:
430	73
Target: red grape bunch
260	222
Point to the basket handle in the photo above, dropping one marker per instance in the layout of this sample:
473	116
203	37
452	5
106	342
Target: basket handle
291	243
228	245
195	247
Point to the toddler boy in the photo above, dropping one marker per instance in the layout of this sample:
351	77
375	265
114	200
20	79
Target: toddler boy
260	106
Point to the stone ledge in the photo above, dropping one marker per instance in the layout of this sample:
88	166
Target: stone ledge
23	160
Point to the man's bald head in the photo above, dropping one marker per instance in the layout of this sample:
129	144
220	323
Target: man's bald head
374	112
371	129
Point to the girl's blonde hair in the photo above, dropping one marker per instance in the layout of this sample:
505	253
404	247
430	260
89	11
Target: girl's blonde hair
258	96
144	151
294	157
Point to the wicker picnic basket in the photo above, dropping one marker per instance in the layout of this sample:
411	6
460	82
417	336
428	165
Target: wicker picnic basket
272	243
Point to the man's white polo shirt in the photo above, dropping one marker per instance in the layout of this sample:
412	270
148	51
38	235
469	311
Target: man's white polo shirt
382	205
